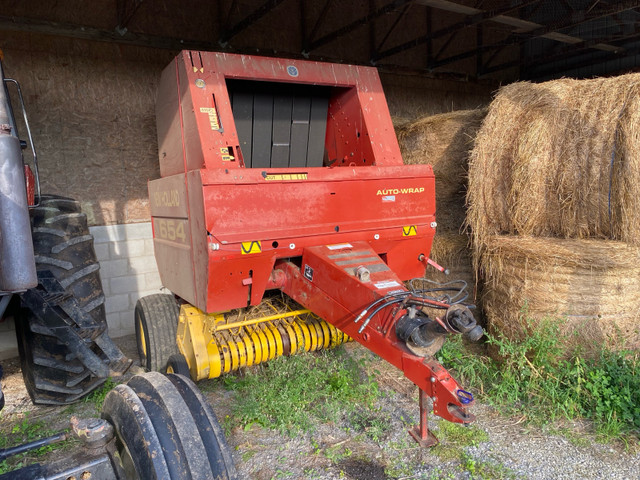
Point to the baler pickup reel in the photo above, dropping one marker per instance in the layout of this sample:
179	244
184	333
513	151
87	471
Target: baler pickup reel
286	175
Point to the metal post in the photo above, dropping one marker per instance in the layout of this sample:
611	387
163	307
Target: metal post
421	434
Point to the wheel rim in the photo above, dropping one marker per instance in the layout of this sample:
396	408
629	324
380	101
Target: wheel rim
142	340
170	369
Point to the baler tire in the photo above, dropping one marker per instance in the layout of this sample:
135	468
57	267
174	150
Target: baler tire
177	364
156	324
54	372
209	428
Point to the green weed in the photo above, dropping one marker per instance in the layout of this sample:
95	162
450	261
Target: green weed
97	396
290	394
535	378
373	423
479	470
337	453
23	432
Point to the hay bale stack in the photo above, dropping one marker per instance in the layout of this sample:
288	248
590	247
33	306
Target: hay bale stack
593	286
443	141
559	159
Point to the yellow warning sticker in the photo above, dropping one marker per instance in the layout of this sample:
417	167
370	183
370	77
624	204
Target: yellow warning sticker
409	231
286	177
224	153
251	247
213	117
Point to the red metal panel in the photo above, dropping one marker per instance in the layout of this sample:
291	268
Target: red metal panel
203	104
172	234
199	239
316	206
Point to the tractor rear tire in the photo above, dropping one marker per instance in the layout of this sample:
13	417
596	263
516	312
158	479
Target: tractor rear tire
56	371
156	323
159	431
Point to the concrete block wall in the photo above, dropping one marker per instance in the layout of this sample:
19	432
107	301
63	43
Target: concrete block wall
128	271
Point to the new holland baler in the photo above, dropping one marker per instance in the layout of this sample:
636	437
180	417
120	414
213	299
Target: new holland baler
286	175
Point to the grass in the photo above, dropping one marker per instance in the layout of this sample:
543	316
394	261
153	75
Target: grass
533	378
98	395
291	394
27	431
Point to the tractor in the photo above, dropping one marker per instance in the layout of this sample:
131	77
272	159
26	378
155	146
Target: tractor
50	286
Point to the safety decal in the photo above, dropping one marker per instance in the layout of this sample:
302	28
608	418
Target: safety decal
284	176
409	231
224	153
308	273
213	117
251	247
339	246
386	284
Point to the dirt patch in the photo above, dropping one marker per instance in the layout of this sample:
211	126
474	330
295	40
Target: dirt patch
362	469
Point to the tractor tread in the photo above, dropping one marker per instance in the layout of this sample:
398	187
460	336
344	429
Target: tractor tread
57	340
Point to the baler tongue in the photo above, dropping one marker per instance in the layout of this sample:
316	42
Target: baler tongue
341	282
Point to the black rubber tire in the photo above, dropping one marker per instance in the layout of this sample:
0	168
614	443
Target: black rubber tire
157	432
156	323
136	436
178	364
210	431
53	373
63	245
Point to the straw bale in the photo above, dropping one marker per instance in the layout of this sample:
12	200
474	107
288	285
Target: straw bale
444	141
591	287
559	159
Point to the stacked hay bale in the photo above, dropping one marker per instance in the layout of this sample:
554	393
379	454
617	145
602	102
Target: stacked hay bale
445	141
554	206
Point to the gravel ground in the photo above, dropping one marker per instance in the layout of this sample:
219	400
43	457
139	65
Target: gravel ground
497	446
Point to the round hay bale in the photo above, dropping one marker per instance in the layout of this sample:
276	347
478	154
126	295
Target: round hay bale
443	141
559	159
591	287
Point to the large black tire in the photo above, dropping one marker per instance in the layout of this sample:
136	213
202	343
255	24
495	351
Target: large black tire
64	348
177	364
158	431
210	431
156	323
